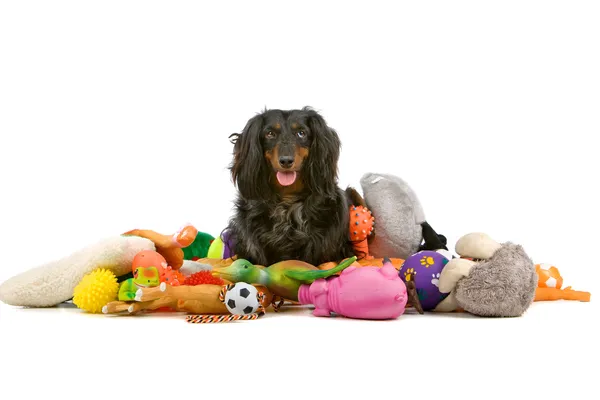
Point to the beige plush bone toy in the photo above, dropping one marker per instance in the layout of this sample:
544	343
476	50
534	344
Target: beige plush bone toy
490	279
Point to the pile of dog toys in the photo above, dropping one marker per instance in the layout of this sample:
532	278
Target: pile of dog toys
405	265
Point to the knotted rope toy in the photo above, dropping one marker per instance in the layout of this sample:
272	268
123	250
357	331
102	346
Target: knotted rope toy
210	319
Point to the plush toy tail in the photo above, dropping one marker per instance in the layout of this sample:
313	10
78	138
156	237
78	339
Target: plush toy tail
551	294
313	275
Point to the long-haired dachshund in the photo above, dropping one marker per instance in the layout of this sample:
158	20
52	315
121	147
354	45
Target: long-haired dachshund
289	206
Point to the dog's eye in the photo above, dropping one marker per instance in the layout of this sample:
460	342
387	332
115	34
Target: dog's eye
271	135
301	134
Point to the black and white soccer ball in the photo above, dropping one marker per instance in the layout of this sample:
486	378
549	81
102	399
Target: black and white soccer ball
242	299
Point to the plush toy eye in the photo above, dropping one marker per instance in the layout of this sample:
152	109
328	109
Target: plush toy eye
301	134
271	135
245	266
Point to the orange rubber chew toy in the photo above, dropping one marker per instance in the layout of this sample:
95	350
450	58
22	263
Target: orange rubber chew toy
361	227
550	286
169	246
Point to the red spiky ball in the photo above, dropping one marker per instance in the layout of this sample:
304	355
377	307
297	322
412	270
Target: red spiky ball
203	278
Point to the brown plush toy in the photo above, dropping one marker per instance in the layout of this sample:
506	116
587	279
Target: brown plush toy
169	246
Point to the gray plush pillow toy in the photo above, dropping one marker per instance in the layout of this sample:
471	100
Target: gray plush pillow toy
401	229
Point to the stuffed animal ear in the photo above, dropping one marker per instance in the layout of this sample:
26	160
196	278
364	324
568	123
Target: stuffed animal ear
477	245
432	240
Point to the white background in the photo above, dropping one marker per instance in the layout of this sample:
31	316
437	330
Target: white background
115	115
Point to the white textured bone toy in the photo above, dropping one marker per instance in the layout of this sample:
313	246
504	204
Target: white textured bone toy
53	283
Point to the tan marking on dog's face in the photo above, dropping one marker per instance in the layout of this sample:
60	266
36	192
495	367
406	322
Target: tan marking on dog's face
301	154
269	154
277	126
272	157
295	125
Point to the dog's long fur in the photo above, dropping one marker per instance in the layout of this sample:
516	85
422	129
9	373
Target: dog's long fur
308	221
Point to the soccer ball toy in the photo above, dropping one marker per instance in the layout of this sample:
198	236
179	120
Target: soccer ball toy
242	299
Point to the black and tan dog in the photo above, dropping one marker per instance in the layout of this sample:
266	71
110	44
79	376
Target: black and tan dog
289	205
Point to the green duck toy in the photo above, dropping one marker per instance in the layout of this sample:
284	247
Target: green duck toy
282	279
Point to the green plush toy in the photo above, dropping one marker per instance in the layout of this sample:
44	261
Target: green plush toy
199	247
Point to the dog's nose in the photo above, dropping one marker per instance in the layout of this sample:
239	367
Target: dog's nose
286	162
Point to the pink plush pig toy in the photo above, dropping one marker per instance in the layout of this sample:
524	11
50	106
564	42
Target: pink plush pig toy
362	293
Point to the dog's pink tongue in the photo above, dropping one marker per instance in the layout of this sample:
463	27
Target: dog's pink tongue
286	178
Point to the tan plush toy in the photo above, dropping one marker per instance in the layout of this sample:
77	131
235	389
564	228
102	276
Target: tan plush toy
474	246
490	279
503	273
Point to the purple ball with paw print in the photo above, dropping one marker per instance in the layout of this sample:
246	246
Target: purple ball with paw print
424	268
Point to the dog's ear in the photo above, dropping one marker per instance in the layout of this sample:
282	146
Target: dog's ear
248	169
322	169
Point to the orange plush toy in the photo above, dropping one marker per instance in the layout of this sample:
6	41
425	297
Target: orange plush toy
169	246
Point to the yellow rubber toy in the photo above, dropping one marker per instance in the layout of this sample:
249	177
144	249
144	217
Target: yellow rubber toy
95	290
216	248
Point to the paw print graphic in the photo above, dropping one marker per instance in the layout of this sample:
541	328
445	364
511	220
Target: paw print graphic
435	279
409	274
427	261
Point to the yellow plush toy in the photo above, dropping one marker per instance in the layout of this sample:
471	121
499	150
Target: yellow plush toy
95	290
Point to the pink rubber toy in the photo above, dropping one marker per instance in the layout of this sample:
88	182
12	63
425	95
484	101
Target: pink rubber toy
362	293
